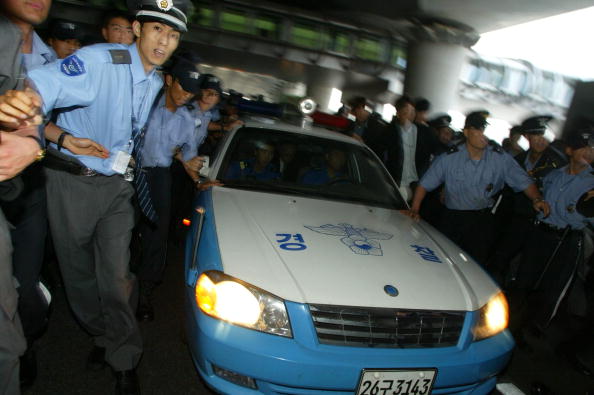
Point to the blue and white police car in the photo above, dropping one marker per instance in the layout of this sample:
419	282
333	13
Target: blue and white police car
303	277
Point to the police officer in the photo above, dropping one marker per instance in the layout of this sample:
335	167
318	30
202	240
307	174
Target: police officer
443	131
64	38
472	174
107	92
555	247
172	130
540	159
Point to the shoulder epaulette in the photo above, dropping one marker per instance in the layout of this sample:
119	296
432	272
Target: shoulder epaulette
496	147
120	56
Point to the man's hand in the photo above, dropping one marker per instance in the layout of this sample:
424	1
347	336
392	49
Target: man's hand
411	213
194	164
542	206
203	186
82	146
20	108
16	153
233	124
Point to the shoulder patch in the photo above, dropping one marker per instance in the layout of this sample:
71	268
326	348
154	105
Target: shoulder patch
120	56
72	66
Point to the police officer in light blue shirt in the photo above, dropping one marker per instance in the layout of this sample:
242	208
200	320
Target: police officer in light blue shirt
473	173
106	93
172	131
554	249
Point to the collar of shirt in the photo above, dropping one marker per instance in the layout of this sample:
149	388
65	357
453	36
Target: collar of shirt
138	73
40	54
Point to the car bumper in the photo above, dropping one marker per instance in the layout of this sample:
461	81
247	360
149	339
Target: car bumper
300	365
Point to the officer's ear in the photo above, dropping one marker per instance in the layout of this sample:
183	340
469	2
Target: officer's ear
168	80
465	132
136	28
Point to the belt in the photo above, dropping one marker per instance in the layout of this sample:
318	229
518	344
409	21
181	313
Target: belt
53	162
549	228
479	211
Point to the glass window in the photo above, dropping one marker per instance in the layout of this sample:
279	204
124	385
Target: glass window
295	164
398	56
266	27
306	36
204	17
337	42
369	49
235	21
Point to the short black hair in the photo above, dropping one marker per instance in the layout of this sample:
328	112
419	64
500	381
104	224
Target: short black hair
112	14
403	101
422	104
357	101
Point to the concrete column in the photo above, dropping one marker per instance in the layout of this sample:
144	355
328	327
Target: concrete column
321	95
436	54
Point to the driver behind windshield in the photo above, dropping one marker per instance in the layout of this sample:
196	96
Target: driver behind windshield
257	168
331	171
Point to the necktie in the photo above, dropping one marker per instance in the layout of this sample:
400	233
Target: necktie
143	191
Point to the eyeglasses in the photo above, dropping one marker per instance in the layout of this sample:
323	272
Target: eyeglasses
208	93
119	28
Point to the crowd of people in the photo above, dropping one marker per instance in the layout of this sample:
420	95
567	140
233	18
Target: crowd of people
524	215
95	140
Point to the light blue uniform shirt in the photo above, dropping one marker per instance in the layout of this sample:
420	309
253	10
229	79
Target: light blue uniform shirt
100	100
40	54
203	118
168	131
562	191
471	184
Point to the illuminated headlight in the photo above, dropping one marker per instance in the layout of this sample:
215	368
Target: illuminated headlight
493	317
240	303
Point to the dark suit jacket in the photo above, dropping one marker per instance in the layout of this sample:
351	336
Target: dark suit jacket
10	71
427	145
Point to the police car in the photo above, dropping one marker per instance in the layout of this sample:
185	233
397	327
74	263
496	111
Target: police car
304	277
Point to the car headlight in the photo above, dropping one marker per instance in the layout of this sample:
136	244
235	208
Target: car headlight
239	303
493	317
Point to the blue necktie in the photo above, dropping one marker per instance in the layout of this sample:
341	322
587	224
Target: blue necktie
143	191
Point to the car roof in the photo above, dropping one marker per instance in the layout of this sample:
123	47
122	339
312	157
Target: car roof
277	124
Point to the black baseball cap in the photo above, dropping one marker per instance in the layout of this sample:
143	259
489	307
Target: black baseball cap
440	121
580	139
477	120
186	72
62	29
210	81
536	124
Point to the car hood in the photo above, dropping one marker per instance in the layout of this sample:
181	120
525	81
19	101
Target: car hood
327	252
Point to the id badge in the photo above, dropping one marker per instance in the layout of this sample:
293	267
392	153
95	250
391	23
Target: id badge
120	162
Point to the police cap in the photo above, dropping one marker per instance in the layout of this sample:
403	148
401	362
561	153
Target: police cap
210	81
185	70
536	125
477	120
65	30
440	121
169	12
580	139
517	129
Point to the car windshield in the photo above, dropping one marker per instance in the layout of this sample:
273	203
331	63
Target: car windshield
292	163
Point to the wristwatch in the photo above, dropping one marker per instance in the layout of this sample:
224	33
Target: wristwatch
41	152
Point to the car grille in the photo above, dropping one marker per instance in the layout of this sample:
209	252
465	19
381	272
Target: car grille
388	328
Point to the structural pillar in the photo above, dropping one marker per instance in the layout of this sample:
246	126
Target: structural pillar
436	55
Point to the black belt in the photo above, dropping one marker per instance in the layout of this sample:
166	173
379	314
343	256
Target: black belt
479	211
52	161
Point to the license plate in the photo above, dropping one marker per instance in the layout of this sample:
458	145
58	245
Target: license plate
396	382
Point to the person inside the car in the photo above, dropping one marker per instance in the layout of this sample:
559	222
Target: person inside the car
332	171
257	168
